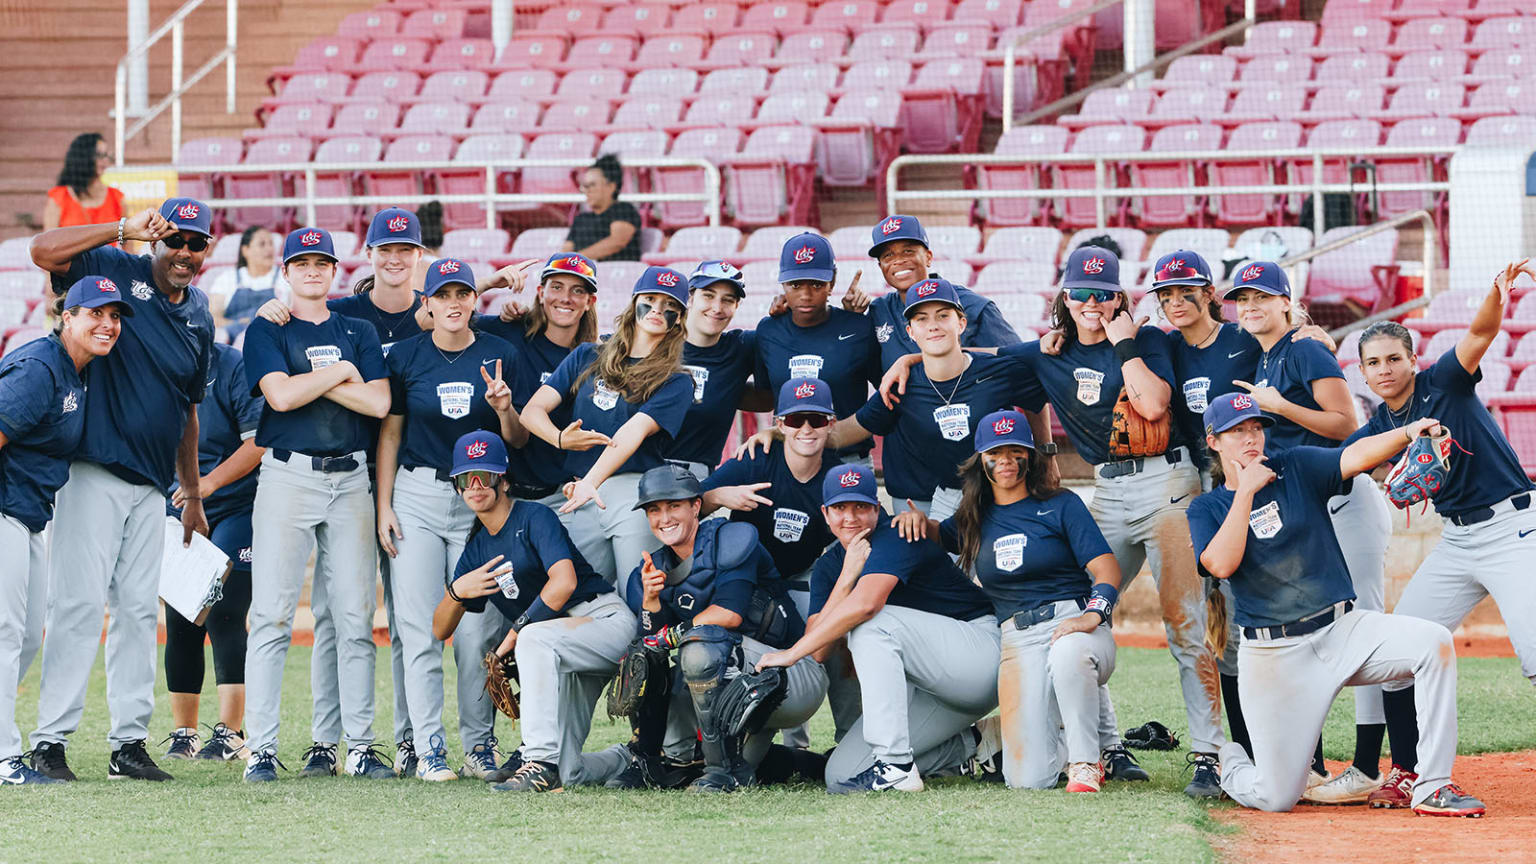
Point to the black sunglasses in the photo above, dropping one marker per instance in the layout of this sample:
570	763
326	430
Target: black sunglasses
816	421
196	242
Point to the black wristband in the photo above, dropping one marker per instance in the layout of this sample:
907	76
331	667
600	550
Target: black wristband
1127	350
1049	449
456	598
520	623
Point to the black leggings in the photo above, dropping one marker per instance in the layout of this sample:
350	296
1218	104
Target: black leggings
225	626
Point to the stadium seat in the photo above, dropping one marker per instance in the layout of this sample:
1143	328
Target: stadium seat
647	112
1448	310
1172	210
1278	37
546	181
267	151
225	253
531	84
728	110
803	78
327	53
1209	243
1039	245
740	49
1350	11
434	23
510	117
1132	242
369	25
1425	33
773	180
1431	99
998	14
206	153
1353	67
700	243
926	14
1021	309
780	18
1273	243
637	19
393	53
811	46
1259	103
805	107
1363	35
1522	358
391	86
1357	273
15	254
942	110
1344	102
591	84
1500	130
402	182
1078	212
764	244
538	243
1503	63
1514	31
711	18
715	144
1111	107
1020	140
452	54
601	51
860	138
1333	135
349	149
1002	278
849	15
540	51
573	20
1433	64
1187	105
735	80
1433	348
886	43
329	87
435	118
850	242
474	244
1497	98
672	82
1257	208
1283	69
365	118
1429	132
463	85
294	119
878	75
470	181
1200	70
959	39
635	144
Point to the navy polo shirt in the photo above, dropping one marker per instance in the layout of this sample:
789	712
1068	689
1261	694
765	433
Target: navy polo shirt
1033	551
42	413
719	374
537	462
985	326
841	351
1209	371
226	417
442	395
1292	566
926	578
931	430
143	392
600	408
532	540
1291	367
792	530
322	427
1083	383
1488	471
392	327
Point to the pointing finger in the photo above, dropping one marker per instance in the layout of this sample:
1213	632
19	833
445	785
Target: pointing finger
1245	385
912	507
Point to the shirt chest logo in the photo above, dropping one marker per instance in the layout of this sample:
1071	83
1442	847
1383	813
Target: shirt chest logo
386	346
544	376
789	524
1008	552
603	396
954	420
1090	383
454	398
141	291
321	356
700	378
1196	393
805	366
1265	521
71	402
883	333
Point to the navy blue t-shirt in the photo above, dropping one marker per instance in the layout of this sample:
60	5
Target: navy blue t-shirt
226	417
1292	566
600	408
926	578
322	427
931	430
532	540
536	463
442	395
392	327
42	413
719	374
1034	551
1084	382
1291	367
985	326
841	351
1209	371
143	392
792	530
1489	471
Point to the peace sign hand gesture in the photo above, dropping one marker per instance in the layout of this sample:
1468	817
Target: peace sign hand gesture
497	393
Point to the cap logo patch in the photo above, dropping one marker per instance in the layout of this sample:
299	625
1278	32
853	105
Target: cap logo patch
926	289
1424	458
475	450
1002	426
667	279
106	285
1251	273
398	224
848	480
1242	402
446	267
805	255
1093	266
309	238
890	226
187	211
805	391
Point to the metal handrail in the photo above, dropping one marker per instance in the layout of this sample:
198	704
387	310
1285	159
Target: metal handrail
173	25
709	196
1010	54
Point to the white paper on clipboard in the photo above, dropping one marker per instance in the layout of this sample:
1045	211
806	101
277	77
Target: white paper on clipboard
191	577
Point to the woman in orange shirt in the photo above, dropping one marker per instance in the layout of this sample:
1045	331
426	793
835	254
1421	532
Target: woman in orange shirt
81	198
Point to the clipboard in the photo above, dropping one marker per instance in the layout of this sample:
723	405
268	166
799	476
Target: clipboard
191	577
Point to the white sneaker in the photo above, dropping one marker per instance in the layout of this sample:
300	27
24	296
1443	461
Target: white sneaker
1350	787
1315	779
1084	777
433	768
987	763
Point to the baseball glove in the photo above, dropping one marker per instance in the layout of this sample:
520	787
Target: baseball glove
1151	735
501	682
749	699
1134	435
640	668
1422	471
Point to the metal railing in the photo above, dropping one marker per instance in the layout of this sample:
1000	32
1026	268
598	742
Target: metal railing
307	174
1427	261
1011	52
173	25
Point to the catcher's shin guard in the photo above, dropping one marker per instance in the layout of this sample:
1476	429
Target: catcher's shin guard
707	654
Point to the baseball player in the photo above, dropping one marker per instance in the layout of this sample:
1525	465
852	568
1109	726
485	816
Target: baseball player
323	376
444	384
627	398
1299	384
710	591
1303	638
922	636
140	429
1486	544
569	628
900	246
228	456
42	419
1041	559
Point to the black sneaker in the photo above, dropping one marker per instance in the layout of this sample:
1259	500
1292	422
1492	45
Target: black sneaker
224	745
131	762
1119	764
319	761
183	743
405	758
1207	780
508	768
642	773
48	760
534	776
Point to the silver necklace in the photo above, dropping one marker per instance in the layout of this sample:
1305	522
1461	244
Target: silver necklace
953	390
456	355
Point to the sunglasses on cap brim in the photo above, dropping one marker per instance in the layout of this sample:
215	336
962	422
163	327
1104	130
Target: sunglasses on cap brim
470	479
1083	295
196	242
572	265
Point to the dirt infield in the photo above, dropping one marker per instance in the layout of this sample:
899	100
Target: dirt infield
1506	782
1466	646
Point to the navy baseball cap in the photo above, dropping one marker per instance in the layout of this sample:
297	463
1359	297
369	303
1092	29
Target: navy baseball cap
94	291
479	451
445	271
667	483
710	272
1228	410
1182	267
394	225
663	280
308	241
806	256
1003	429
188	214
898	227
850	482
805	396
931	291
1092	267
572	264
1264	276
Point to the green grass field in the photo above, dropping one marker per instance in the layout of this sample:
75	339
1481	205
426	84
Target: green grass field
208	814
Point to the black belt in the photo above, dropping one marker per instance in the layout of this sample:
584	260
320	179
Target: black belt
441	475
529	493
1031	617
802	585
1133	466
1483	514
1296	628
323	464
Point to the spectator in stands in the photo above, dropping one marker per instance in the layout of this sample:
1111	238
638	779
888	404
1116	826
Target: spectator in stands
81	198
430	215
609	229
234	297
